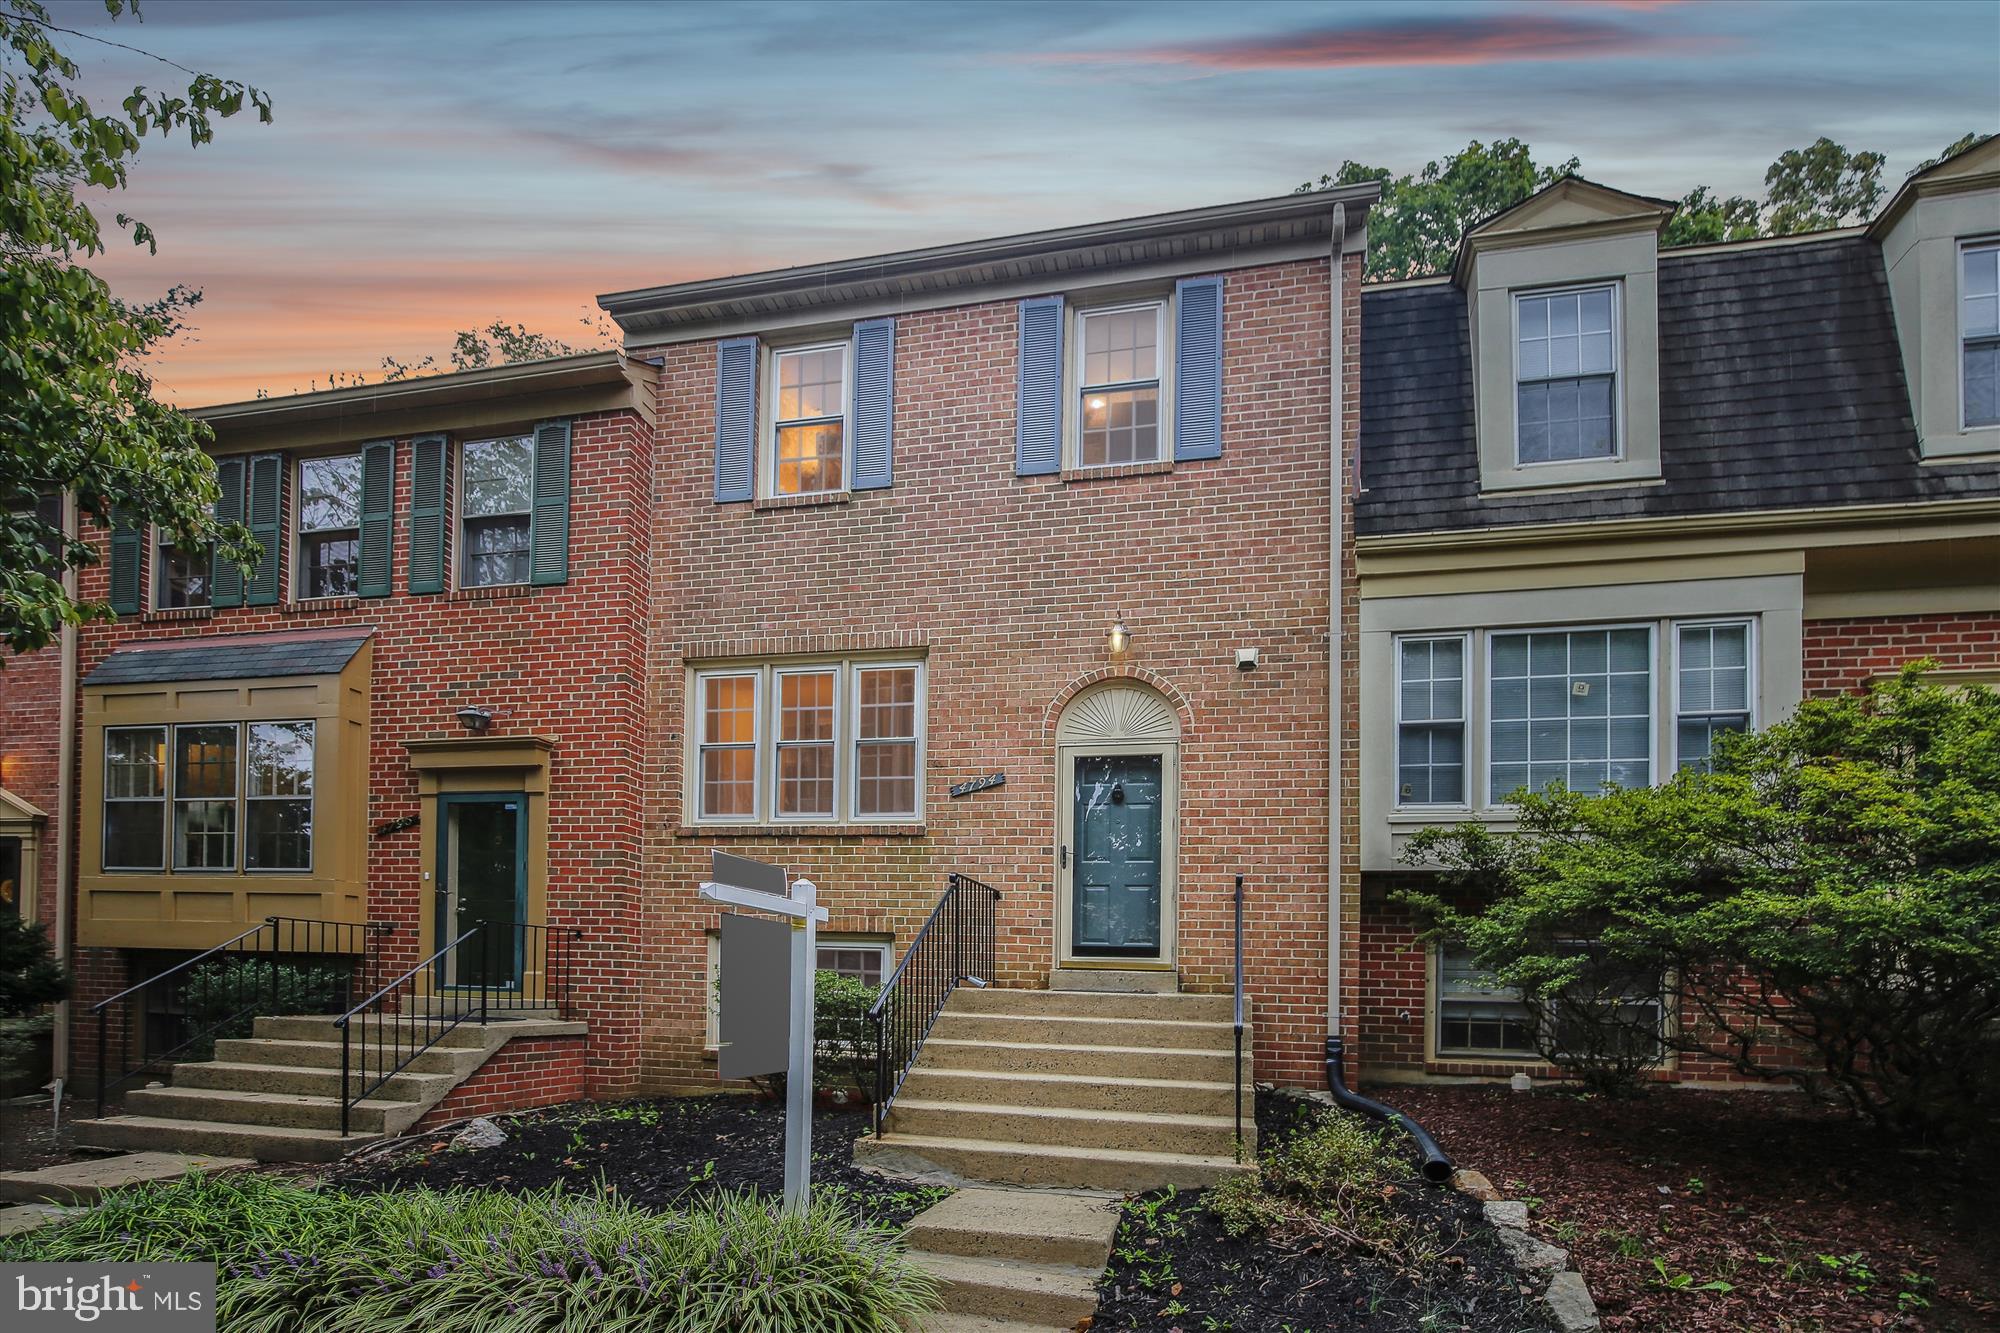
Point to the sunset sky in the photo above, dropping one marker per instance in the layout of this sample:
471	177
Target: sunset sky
437	165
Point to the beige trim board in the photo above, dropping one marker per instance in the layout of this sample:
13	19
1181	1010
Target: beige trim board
1862	602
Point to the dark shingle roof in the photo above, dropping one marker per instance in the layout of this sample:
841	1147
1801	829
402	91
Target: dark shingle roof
1781	386
230	658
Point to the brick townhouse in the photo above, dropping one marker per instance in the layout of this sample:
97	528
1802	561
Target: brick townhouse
1617	499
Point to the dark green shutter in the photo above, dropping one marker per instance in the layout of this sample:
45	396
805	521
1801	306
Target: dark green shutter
226	576
378	511
427	506
267	525
128	552
548	524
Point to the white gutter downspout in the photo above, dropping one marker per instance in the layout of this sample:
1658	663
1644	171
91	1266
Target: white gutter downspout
1336	385
65	803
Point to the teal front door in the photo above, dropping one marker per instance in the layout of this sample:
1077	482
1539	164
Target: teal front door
1115	898
483	883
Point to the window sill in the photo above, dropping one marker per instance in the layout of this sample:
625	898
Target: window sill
496	592
775	830
812	501
1072	475
315	605
171	613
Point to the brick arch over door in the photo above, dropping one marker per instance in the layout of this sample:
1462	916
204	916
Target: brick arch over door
1139	679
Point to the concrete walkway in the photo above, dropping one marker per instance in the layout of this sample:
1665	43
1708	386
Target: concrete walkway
1015	1260
83	1182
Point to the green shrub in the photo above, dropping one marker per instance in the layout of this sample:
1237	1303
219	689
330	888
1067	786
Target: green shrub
468	1261
845	1039
1336	1176
229	993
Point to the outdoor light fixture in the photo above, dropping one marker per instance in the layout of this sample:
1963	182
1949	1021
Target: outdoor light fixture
1121	638
474	718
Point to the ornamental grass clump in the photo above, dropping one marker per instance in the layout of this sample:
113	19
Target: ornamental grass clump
465	1260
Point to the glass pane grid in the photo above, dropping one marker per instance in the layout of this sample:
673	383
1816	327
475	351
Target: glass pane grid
1120	426
496	551
496	477
1574	709
729	755
805	744
811	457
181	578
1121	346
330	493
810	384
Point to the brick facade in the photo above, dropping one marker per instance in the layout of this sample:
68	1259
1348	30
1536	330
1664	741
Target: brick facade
1845	655
31	758
525	1073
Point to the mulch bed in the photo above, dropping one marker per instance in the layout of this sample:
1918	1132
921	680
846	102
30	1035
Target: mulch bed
1811	1221
657	1153
1174	1270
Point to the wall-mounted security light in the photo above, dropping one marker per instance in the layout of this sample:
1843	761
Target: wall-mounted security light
1120	639
474	718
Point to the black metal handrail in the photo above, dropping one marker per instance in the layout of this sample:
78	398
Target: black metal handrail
1238	1070
241	991
385	1033
958	941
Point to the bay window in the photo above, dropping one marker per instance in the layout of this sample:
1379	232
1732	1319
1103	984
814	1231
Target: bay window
1430	721
212	797
1711	688
1572	707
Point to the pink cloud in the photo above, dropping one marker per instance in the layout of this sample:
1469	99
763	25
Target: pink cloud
1485	40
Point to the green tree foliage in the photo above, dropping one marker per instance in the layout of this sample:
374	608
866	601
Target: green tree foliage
1703	219
1828	898
77	411
1821	186
1959	145
497	344
30	977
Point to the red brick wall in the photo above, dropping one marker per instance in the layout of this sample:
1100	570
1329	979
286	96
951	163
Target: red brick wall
1841	655
564	662
525	1073
31	757
1009	585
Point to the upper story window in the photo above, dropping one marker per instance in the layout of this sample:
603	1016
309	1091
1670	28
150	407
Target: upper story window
225	779
1118	385
497	494
1979	332
1566	375
818	742
1572	707
1430	721
809	454
1711	688
180	578
329	506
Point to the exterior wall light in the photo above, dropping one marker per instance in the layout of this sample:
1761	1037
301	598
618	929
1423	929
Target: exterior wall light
1120	639
474	718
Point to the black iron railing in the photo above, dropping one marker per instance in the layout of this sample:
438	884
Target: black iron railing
492	970
281	963
957	942
1238	1069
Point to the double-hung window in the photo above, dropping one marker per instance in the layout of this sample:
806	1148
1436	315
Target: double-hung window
329	526
1979	332
1430	721
810	420
180	578
1476	1014
1572	707
817	742
135	798
205	785
1118	385
1566	375
1711	687
497	489
1479	1016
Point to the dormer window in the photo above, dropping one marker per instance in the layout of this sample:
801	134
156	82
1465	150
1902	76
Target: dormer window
1979	332
1566	375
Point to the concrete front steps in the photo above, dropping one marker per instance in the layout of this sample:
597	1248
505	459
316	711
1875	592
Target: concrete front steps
1110	1091
275	1096
1009	1261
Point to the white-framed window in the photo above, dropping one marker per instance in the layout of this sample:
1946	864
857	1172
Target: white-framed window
818	742
135	798
1979	333
496	496
1715	681
1566	374
1569	706
180	578
329	510
1430	720
1121	352
810	393
864	958
206	773
278	796
1478	1016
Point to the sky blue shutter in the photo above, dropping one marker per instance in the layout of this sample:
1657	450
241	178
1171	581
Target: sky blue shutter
428	477
735	419
548	521
1198	368
1038	410
267	525
874	403
225	575
128	555
378	517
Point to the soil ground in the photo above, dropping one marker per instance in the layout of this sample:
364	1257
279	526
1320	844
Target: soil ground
1690	1210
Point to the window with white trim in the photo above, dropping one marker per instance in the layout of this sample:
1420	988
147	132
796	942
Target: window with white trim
496	481
205	787
1979	333
329	526
1119	357
278	796
1712	687
1566	375
223	797
1430	721
180	578
862	958
809	420
827	742
1570	707
1479	1016
135	798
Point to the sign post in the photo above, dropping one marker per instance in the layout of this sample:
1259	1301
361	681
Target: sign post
741	882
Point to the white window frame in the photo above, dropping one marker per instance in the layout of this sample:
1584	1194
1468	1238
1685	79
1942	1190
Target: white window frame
165	800
1073	381
245	800
1618	427
767	452
775	710
1467	665
850	749
176	800
1653	667
457	548
1958	300
1750	684
696	783
1441	1053
155	576
299	529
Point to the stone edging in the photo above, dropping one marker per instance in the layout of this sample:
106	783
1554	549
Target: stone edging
1546	1266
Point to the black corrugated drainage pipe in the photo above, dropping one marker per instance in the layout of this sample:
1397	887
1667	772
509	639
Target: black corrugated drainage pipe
1437	1165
